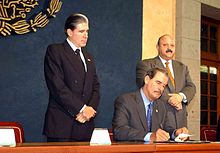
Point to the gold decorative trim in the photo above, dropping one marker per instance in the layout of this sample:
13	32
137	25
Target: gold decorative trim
13	16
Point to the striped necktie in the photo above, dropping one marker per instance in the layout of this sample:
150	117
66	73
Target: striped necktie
170	74
149	117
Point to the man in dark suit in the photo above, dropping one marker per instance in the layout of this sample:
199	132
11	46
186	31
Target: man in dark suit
177	93
131	119
73	85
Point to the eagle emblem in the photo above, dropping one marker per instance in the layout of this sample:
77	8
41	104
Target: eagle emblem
13	14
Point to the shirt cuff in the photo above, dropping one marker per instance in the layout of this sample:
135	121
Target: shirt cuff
147	137
84	106
184	97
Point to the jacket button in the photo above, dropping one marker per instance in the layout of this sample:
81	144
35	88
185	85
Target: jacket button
75	81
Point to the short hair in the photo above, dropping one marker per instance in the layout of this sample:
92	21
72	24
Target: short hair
73	20
152	72
158	42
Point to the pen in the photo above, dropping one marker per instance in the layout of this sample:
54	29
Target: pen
161	126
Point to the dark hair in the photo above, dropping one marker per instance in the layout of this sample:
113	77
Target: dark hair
158	42
73	20
152	72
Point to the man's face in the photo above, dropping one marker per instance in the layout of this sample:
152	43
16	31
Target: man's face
79	36
166	48
154	87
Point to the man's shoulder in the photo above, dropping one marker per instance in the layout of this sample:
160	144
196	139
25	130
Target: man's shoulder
150	62
127	97
178	63
150	59
128	94
55	45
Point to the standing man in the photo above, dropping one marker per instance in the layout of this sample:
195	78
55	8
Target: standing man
141	115
180	89
73	85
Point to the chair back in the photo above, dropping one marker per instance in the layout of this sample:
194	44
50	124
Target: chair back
18	130
110	134
208	134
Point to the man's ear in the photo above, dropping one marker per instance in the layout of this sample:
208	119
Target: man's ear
157	47
146	79
69	32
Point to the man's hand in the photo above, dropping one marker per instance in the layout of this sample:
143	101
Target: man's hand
159	135
175	100
88	113
182	130
81	118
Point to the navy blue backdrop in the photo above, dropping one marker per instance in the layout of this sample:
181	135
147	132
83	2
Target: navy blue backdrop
115	40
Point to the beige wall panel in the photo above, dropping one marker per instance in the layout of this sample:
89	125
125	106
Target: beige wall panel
188	52
158	19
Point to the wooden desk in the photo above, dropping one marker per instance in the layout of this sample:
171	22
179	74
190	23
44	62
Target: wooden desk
114	148
188	148
68	147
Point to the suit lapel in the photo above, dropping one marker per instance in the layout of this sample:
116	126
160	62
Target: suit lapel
158	63
88	60
177	74
73	59
141	110
89	66
155	115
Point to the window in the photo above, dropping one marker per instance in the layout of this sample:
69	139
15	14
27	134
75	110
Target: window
209	70
208	95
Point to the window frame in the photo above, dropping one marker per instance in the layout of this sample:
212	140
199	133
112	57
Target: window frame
211	60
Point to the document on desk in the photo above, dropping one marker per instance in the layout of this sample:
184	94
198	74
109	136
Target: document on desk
178	140
186	142
182	135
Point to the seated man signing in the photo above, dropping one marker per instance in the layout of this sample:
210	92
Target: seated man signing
134	120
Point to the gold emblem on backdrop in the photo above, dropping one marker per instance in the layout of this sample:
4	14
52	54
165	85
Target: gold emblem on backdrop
13	15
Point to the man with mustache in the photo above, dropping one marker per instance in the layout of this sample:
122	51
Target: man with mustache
73	85
180	89
142	116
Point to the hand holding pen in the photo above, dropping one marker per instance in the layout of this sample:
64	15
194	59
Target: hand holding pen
161	135
183	130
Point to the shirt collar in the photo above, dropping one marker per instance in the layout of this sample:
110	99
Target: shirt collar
164	61
145	99
72	45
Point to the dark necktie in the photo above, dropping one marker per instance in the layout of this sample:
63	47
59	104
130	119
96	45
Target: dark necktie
149	117
170	74
79	59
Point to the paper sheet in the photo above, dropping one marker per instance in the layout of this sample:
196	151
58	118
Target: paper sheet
182	135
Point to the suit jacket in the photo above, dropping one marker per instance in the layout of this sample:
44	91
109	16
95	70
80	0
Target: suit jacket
70	88
130	122
183	84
